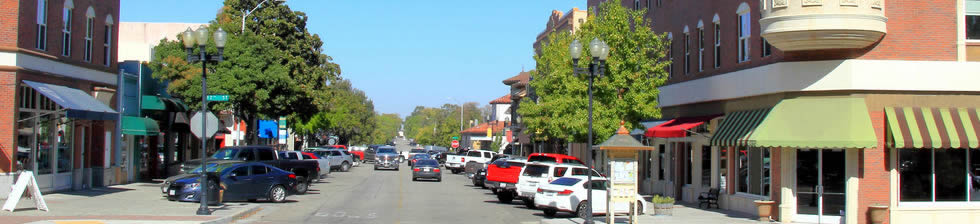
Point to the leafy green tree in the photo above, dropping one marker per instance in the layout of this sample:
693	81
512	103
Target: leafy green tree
626	92
498	141
386	129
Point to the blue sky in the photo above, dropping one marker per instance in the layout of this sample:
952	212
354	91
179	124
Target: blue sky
406	53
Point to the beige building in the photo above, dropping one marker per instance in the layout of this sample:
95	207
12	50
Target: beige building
139	38
560	22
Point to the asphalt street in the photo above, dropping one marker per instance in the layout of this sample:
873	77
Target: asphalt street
367	196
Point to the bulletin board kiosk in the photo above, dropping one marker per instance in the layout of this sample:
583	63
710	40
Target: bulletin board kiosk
622	152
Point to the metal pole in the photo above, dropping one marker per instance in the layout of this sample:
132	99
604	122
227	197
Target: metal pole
203	210
594	66
249	13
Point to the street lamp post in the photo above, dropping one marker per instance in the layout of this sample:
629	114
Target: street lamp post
249	12
200	36
599	51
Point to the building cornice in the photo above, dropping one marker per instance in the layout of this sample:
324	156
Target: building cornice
18	59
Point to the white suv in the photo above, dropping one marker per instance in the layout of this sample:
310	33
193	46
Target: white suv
537	174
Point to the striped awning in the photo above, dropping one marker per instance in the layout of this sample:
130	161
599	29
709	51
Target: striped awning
923	127
738	126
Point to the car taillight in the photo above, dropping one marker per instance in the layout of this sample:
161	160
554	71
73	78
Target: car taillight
435	170
565	192
292	176
540	191
462	160
416	169
414	160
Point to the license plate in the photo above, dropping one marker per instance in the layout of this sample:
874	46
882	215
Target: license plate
550	194
503	185
173	192
426	169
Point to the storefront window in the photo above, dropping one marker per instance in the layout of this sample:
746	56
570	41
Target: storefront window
24	131
722	168
918	167
688	163
660	162
45	145
753	171
706	166
65	136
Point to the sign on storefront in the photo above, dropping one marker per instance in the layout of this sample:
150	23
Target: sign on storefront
25	184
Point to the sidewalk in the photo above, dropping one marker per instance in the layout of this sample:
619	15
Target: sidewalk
130	203
682	214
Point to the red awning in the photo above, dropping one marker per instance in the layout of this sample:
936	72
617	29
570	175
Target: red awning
677	128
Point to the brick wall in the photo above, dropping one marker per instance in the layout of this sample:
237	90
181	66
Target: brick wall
28	26
8	92
775	178
8	27
917	30
873	173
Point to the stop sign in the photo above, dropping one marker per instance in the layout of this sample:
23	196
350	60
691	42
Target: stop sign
455	144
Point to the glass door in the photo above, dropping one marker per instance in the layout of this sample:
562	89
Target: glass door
820	186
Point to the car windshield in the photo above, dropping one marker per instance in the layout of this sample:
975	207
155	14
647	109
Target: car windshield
581	172
515	164
566	181
572	161
427	163
226	154
546	159
417	151
212	167
420	156
536	171
386	150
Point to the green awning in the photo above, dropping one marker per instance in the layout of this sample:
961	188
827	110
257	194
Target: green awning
139	126
151	102
816	122
737	126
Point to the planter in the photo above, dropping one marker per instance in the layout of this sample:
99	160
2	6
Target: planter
878	213
765	209
663	209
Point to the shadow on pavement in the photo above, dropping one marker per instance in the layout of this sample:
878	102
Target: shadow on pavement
97	191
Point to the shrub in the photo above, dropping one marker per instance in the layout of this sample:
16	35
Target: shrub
657	199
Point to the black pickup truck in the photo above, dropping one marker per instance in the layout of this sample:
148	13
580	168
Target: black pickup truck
304	169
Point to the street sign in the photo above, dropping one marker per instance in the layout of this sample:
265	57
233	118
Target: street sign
282	122
455	137
218	97
455	144
196	124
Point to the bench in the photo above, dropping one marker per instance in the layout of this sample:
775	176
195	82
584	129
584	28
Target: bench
709	198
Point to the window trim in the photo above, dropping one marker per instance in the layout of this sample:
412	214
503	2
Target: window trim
700	46
107	42
738	179
932	165
670	55
67	14
89	33
744	42
41	23
717	26
687	51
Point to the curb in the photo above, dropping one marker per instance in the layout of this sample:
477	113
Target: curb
243	214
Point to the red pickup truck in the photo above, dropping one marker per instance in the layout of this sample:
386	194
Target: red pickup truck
503	174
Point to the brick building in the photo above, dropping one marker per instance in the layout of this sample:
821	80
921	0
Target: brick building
57	81
825	107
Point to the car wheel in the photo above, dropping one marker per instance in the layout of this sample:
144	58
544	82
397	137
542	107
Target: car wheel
493	190
302	185
639	207
345	166
415	179
252	200
582	211
483	185
529	203
455	171
439	180
550	212
277	194
375	167
505	197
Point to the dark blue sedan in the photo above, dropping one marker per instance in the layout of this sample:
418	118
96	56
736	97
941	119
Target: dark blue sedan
241	181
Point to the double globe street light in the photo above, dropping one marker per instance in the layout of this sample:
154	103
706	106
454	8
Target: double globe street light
200	37
599	51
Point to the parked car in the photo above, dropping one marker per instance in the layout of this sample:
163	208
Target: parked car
417	157
324	163
457	163
241	181
536	174
502	177
387	158
426	169
479	179
337	158
553	158
568	194
414	152
305	170
369	153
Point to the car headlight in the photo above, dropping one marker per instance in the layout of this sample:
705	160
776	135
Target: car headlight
192	186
